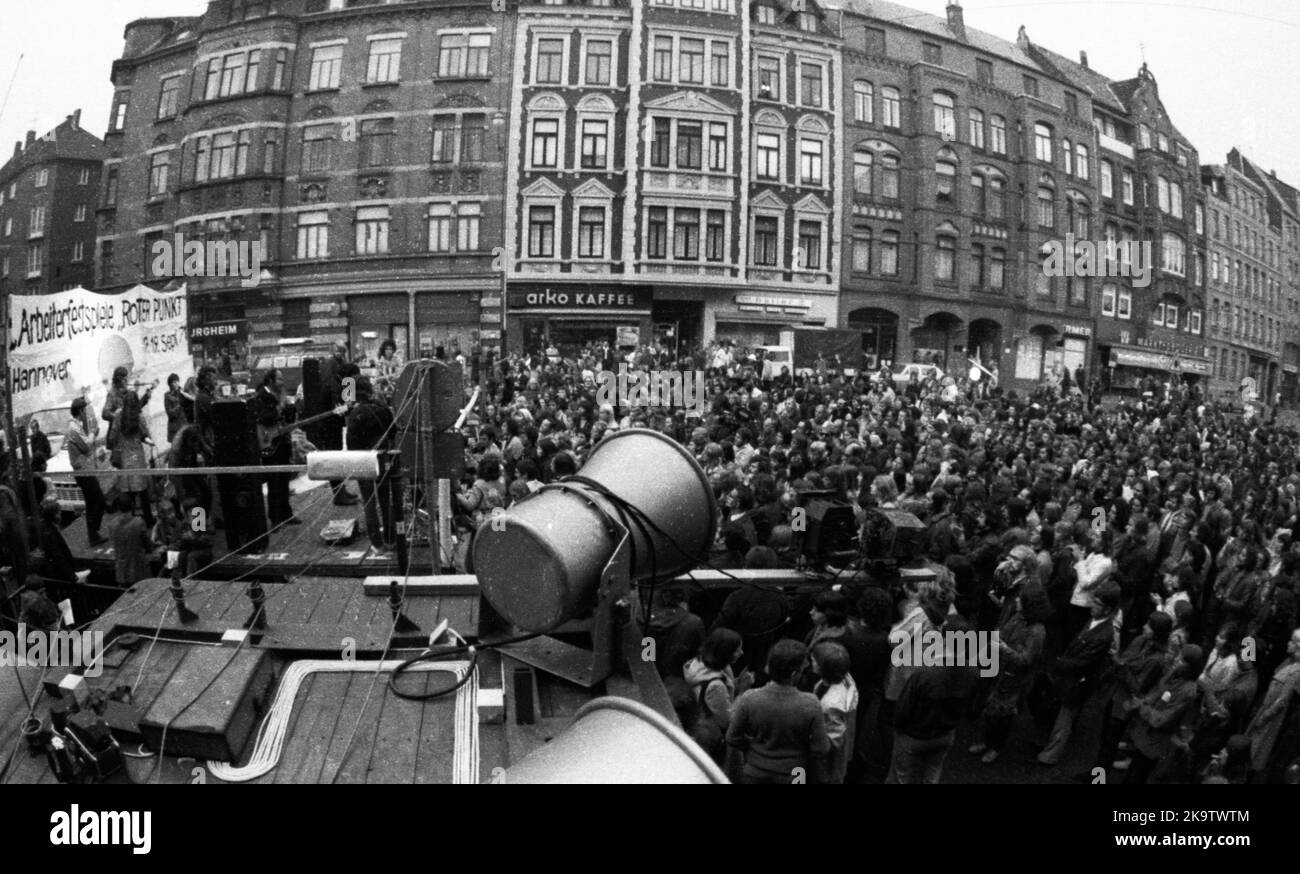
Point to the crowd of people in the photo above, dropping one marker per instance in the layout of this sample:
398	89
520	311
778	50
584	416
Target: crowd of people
1138	559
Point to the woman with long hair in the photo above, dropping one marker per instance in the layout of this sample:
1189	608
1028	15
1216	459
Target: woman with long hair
132	435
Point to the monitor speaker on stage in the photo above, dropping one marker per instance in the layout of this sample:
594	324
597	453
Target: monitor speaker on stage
243	508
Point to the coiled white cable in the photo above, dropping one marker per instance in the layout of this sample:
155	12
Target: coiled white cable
275	728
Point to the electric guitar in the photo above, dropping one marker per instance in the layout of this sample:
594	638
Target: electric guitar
267	434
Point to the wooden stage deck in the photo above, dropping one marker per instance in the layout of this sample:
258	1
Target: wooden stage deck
292	549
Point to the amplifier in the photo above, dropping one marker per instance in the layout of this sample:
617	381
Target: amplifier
830	531
234	433
893	534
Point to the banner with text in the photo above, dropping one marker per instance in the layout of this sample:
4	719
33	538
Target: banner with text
66	345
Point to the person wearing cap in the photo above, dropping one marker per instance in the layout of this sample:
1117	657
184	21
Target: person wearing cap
1075	671
1162	724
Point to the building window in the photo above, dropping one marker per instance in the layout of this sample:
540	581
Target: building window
686	234
385	61
1126	185
718	146
444	139
768	148
159	166
766	14
1043	143
462	55
997	200
1072	103
549	68
1046	208
809	256
1200	229
473	133
1173	254
1176	204
1067	157
979	202
891	107
168	95
313	235
277	72
810	84
591	232
862	250
372	230
945	251
35	260
541	232
720	64
377	142
42	178
1081	159
932	53
690	146
546	140
440	215
945	119
9	227
1107	179
326	68
663	59
945	182
79	215
36	222
117	120
768	80
468	218
1031	86
690	61
595	145
110	187
997	269
977	265
810	161
889	253
661	143
83	178
976	128
1171	315
600	54
889	176
765	240
1108	300
317	148
1124	309
998	131
715	240
862	171
657	233
863	100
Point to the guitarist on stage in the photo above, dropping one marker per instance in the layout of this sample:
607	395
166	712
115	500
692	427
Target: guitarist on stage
269	411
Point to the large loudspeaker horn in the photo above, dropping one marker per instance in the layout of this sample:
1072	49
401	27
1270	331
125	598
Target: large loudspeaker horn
617	740
540	563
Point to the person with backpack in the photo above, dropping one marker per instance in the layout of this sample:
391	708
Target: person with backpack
711	678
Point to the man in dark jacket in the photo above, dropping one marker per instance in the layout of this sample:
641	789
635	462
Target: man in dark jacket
1162	721
370	426
268	411
930	707
330	431
1075	671
58	557
677	632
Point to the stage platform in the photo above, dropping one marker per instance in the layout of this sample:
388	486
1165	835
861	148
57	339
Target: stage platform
292	549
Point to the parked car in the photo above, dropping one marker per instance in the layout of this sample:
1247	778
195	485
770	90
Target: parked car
903	374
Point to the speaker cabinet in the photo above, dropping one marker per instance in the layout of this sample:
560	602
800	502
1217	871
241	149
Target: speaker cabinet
234	433
831	527
235	445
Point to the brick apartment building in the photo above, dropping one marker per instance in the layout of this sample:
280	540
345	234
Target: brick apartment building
680	155
48	191
360	144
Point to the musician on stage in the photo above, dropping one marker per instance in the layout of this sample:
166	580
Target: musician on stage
116	394
370	426
331	431
269	408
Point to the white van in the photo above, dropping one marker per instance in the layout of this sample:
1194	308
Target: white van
774	359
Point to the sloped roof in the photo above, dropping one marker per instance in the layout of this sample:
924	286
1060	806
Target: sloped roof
64	143
925	22
1129	87
1084	78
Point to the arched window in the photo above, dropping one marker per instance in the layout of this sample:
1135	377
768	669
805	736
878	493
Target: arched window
977	128
891	107
997	198
1081	161
1162	194
945	252
945	182
1081	218
1067	157
945	118
862	160
889	253
997	269
998	134
979	203
889	176
863	99
1046	207
1043	142
1173	254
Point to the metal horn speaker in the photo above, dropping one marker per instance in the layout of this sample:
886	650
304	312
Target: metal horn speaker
539	564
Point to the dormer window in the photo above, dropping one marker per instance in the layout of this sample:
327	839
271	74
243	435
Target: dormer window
766	14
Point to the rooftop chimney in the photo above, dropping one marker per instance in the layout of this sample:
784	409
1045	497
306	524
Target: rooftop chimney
31	138
956	23
76	119
1083	58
